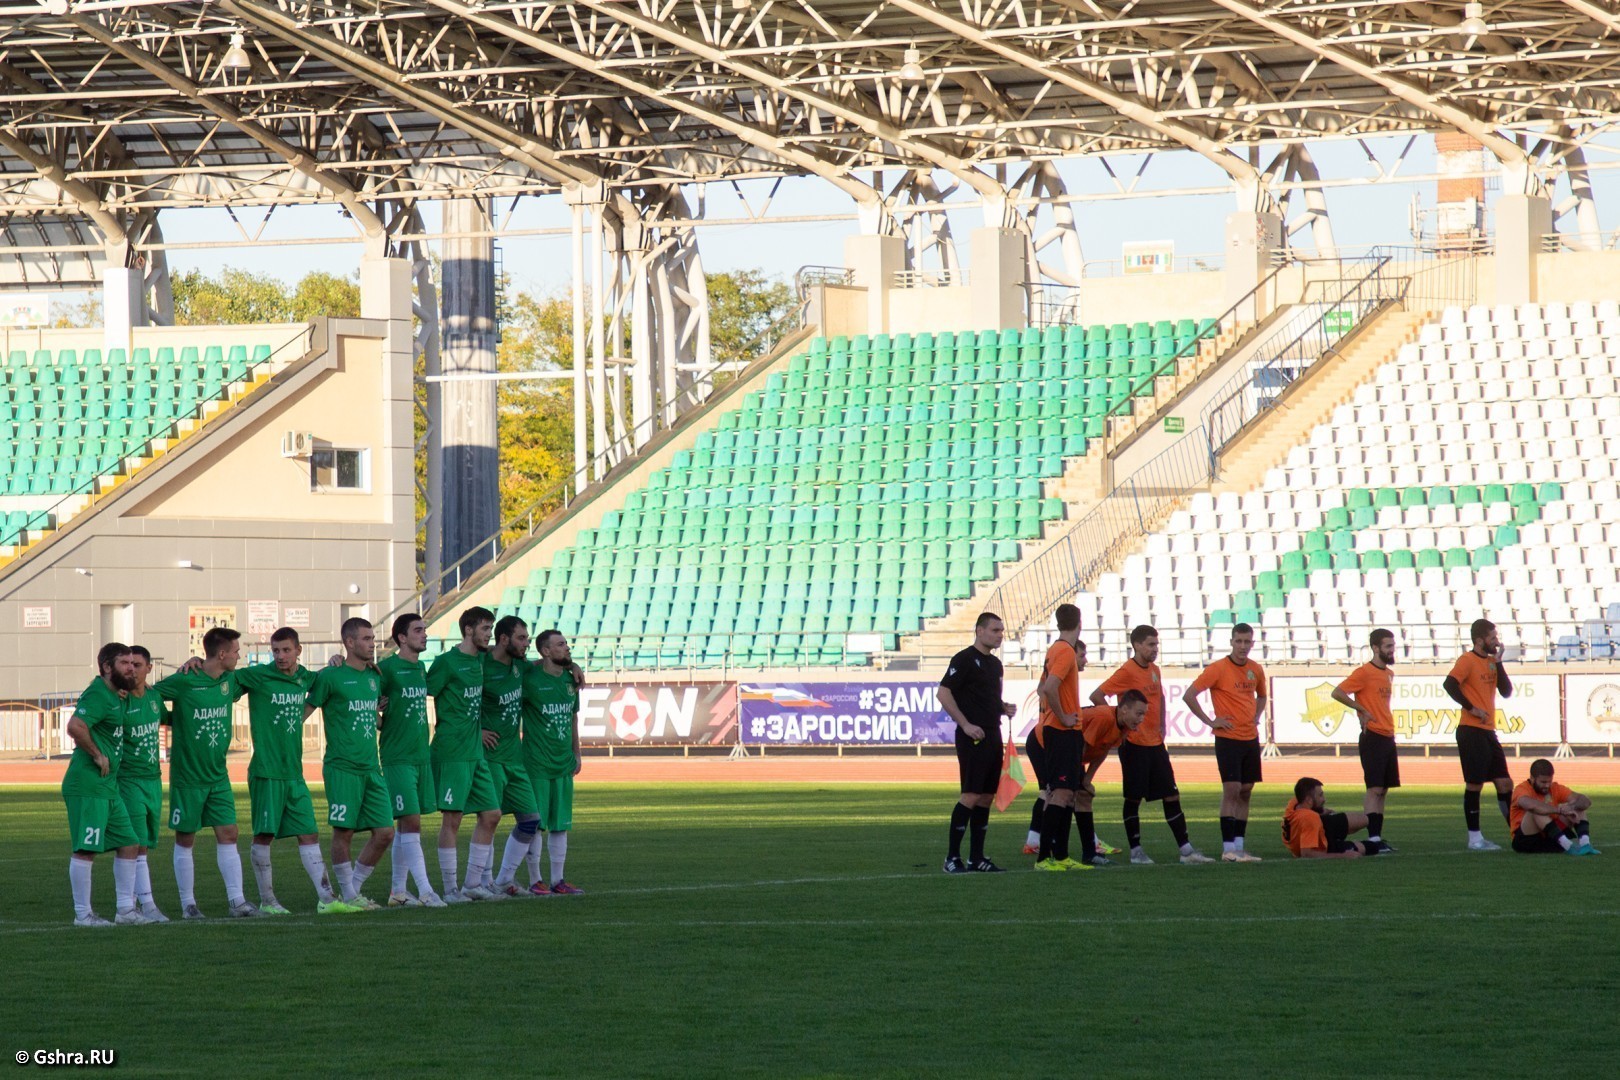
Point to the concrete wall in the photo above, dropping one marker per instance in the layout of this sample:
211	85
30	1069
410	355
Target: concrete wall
1150	297
227	502
932	310
285	336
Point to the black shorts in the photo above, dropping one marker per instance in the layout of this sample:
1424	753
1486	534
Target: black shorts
979	765
1481	754
1147	772
1380	765
1238	760
1538	844
1035	754
1337	827
1064	748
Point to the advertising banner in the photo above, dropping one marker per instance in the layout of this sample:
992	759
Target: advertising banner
1181	727
860	714
1592	705
1305	713
666	714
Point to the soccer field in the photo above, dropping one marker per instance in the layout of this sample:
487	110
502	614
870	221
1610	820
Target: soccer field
799	930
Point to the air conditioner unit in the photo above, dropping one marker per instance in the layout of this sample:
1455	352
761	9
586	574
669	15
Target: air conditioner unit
297	444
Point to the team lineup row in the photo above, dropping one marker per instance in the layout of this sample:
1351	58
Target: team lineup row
505	742
1070	743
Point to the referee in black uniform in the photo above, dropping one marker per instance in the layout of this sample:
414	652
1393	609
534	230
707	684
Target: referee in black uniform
971	693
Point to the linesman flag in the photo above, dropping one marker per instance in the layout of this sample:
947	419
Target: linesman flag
1013	780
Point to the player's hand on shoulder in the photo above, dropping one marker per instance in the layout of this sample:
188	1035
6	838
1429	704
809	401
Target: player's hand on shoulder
191	664
335	660
579	675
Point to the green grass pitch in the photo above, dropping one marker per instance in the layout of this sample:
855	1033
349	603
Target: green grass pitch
734	930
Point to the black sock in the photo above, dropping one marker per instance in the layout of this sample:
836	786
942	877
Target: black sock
1471	810
1502	804
1553	832
1060	836
1228	830
1241	827
1053	822
1174	818
1086	825
1133	823
981	825
959	824
1583	829
1037	816
1375	825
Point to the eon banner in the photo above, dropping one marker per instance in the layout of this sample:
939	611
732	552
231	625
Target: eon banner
859	714
1592	708
658	714
1305	714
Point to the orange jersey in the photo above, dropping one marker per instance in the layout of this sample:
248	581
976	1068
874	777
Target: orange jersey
1233	692
1477	677
1060	663
1372	687
1302	829
1556	795
1099	726
1133	676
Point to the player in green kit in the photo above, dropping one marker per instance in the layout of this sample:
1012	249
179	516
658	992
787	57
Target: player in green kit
406	764
356	794
97	820
503	748
277	793
461	778
551	751
199	787
140	778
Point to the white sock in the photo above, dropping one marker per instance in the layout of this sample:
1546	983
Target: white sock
533	858
558	842
185	876
1137	850
447	868
79	877
359	874
1237	843
488	880
230	868
259	856
1228	846
1187	849
344	872
418	865
479	856
517	849
1475	836
1563	841
1376	839
143	883
399	864
124	884
315	867
1033	839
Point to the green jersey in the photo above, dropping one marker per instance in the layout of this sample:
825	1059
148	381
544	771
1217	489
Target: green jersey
503	707
146	714
550	706
103	712
276	716
405	723
201	720
348	702
456	682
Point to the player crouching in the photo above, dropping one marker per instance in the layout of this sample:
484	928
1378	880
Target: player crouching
1548	818
1311	831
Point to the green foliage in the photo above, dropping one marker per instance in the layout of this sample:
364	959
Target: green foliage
239	296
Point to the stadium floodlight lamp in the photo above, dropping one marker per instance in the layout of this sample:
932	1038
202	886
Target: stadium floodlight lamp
1473	23
911	70
236	57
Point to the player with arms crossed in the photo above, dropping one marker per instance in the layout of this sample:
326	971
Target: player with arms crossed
502	733
348	696
970	693
140	778
1549	818
1237	693
406	763
551	755
1143	759
1311	831
200	792
1474	682
97	820
1368	691
461	777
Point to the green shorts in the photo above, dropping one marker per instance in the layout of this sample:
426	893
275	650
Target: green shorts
192	808
513	788
98	824
281	808
410	789
555	796
143	802
356	801
464	787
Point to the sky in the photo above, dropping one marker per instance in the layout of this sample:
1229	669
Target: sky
1362	215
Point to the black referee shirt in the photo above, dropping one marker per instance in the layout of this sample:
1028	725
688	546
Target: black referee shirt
974	679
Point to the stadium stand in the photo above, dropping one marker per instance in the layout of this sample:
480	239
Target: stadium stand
860	492
1463	478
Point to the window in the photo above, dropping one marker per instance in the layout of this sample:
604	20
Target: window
335	469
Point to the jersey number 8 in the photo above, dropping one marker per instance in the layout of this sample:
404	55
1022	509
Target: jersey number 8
399	803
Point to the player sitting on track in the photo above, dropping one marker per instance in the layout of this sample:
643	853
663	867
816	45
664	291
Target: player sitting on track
1549	818
1473	684
1311	831
970	693
1237	693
